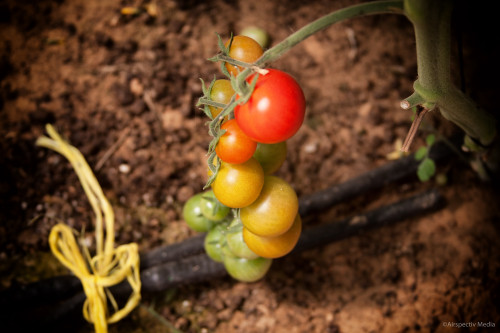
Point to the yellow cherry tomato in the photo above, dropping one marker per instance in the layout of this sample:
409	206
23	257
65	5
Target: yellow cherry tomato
238	185
274	211
274	247
221	92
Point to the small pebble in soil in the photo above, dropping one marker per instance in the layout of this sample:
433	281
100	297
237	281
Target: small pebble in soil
124	168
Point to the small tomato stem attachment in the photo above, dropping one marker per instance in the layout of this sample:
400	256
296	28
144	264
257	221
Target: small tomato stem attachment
234	62
206	101
412	101
419	116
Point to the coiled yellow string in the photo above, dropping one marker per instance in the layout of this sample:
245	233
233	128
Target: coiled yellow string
110	265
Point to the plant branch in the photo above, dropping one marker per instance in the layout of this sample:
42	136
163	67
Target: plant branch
228	59
432	23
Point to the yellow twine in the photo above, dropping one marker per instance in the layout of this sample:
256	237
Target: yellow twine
110	265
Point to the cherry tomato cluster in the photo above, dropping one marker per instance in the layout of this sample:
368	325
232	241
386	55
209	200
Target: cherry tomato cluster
224	237
265	223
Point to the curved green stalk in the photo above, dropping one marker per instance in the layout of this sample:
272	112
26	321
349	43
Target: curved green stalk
369	8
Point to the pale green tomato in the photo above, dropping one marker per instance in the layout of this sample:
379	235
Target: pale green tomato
257	34
235	242
211	208
270	156
246	270
193	216
213	243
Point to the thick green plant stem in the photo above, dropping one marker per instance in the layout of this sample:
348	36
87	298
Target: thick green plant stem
432	23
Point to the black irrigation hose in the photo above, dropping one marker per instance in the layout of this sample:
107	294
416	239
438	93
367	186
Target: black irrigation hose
201	268
187	248
417	205
185	262
369	181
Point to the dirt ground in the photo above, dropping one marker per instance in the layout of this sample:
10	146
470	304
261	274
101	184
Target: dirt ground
123	90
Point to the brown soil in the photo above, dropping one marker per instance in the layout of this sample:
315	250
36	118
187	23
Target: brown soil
104	80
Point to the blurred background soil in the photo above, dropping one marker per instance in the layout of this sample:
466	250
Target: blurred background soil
123	90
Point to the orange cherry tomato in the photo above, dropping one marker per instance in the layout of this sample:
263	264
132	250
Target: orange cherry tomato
234	146
244	49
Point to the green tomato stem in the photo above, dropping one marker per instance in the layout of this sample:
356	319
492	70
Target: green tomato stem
234	62
369	8
206	101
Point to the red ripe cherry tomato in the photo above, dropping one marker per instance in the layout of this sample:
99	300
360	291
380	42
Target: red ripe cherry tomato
275	110
234	146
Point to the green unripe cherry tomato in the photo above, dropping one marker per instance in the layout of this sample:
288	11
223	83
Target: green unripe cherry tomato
235	242
246	270
211	208
271	156
193	216
213	243
257	34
